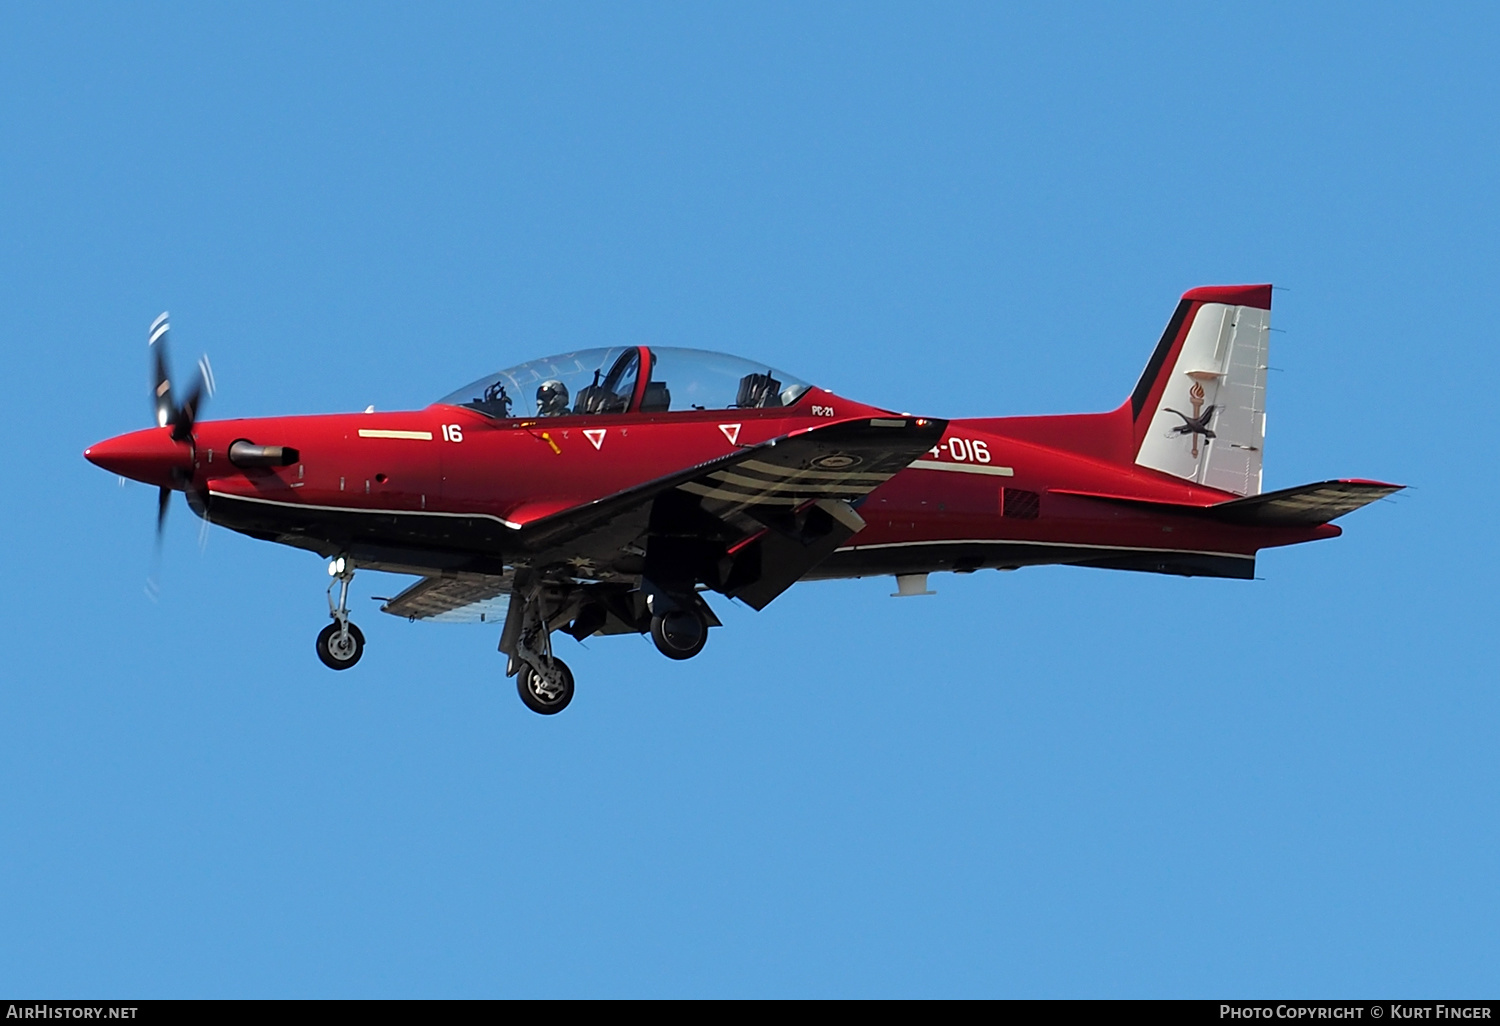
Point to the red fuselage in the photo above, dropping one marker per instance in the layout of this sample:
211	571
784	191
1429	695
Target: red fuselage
446	488
643	477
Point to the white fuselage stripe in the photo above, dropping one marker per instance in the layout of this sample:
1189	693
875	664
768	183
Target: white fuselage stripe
415	436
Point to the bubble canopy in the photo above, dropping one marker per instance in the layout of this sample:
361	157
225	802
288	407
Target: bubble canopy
594	381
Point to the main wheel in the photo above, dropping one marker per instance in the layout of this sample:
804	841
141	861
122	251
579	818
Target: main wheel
542	695
679	635
340	651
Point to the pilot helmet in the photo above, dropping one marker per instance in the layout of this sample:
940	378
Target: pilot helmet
552	397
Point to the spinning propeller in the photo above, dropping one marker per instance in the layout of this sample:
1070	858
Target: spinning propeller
179	418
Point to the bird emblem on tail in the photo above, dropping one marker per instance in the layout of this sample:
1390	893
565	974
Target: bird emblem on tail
1197	424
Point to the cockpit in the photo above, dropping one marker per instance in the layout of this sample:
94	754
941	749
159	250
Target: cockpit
593	381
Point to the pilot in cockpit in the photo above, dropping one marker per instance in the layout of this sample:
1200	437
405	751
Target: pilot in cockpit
551	399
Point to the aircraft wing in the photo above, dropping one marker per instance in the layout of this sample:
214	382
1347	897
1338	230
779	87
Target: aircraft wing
775	509
462	598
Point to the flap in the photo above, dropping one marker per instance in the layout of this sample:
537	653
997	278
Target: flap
781	555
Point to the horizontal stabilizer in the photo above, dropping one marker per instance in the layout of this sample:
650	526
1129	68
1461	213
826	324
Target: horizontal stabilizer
1303	506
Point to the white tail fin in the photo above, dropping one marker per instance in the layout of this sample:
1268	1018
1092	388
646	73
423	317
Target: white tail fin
1201	407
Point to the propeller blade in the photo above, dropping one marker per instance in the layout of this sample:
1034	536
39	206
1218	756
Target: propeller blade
182	420
187	414
161	378
206	375
163	503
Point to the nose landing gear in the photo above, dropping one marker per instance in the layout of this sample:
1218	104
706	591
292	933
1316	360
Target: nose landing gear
340	648
340	644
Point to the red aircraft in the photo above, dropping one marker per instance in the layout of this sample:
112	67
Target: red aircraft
608	491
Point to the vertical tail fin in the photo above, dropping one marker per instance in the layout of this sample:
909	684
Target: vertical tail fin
1199	410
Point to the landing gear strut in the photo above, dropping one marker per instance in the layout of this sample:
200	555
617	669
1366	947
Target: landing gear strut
544	681
340	644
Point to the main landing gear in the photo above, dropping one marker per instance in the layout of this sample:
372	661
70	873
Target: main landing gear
340	644
544	681
538	607
547	690
680	634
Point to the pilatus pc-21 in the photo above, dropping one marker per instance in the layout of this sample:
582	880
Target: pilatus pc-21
613	491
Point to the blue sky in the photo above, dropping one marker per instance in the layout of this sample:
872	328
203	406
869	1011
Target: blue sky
1056	782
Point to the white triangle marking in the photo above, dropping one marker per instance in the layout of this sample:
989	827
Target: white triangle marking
595	435
731	432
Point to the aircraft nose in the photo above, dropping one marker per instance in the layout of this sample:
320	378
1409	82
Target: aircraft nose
150	456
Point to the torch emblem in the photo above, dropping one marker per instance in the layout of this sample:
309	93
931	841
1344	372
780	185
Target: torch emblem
1197	424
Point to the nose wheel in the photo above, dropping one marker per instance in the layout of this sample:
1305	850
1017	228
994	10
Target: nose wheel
340	644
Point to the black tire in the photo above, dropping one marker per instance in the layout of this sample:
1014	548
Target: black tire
679	635
337	656
528	685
